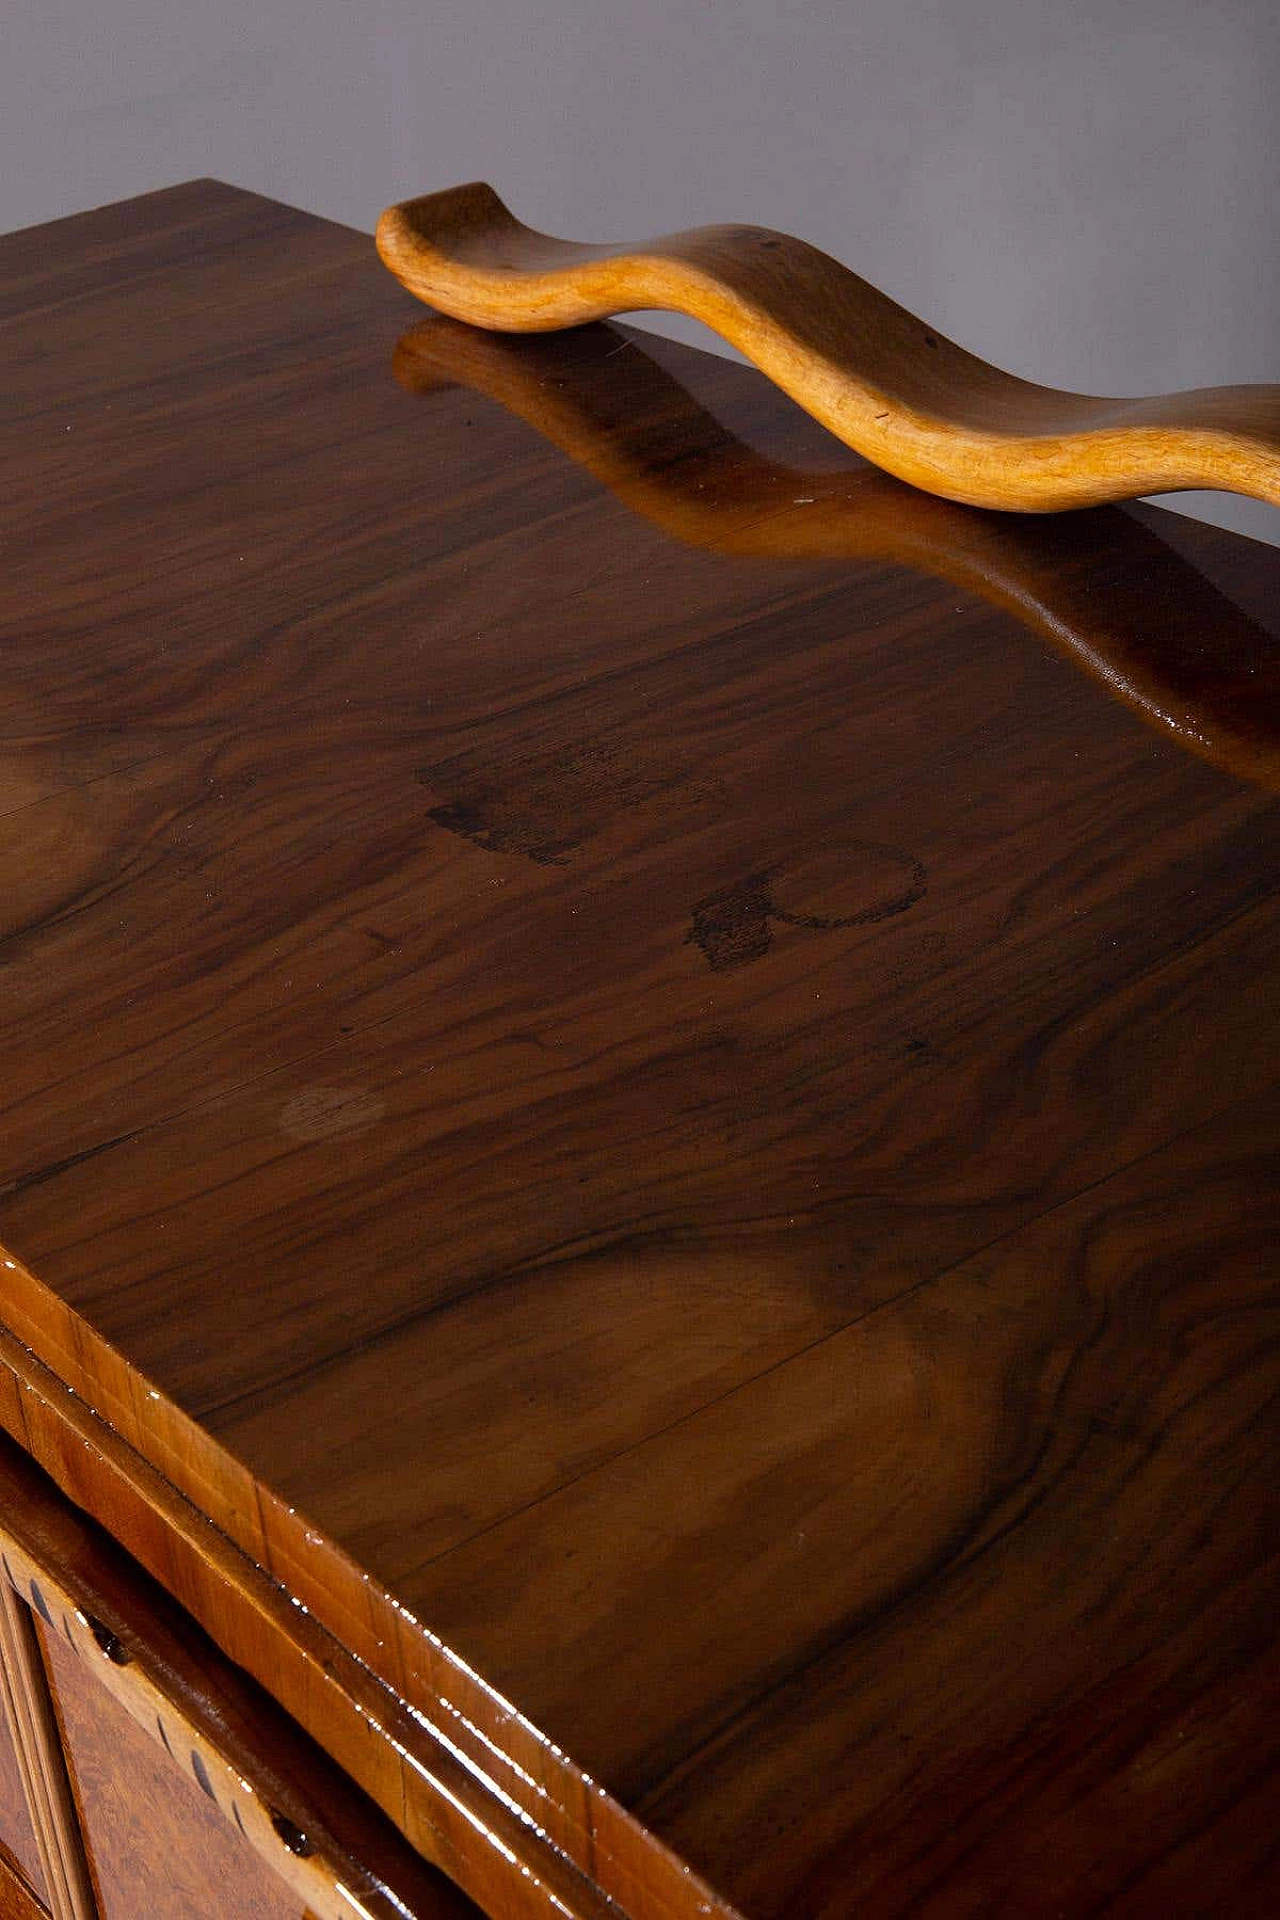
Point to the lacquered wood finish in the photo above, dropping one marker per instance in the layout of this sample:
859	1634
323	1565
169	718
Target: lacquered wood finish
678	1141
185	1787
18	1844
640	433
157	1845
886	383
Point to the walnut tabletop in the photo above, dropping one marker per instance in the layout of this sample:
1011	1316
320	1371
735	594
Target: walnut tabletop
641	1114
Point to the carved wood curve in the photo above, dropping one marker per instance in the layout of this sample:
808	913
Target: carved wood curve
883	381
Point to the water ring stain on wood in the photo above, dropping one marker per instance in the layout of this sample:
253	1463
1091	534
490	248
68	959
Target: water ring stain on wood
853	884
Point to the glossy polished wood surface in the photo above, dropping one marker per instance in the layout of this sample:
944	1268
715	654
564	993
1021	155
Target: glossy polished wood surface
886	383
647	439
186	1789
679	1140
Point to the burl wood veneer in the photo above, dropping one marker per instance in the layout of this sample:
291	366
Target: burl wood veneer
19	1849
165	1784
644	1170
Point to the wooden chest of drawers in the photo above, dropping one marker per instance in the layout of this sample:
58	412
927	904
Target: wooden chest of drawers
641	1129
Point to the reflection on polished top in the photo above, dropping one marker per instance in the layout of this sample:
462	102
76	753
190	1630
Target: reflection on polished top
1157	633
653	1162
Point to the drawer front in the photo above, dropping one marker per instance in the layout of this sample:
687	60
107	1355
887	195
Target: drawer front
18	1848
173	1787
158	1841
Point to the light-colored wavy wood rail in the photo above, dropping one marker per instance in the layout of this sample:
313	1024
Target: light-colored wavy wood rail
884	382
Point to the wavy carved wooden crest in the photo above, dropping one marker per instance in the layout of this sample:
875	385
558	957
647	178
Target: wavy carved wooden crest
883	381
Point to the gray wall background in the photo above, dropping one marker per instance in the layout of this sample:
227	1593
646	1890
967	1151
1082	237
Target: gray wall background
1086	193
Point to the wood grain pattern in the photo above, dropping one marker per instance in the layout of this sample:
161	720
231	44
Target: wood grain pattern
633	426
675	1139
157	1846
192	1793
441	1773
886	383
17	1901
17	1835
63	1878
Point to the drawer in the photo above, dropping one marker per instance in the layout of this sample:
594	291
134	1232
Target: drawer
166	1783
19	1854
156	1833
